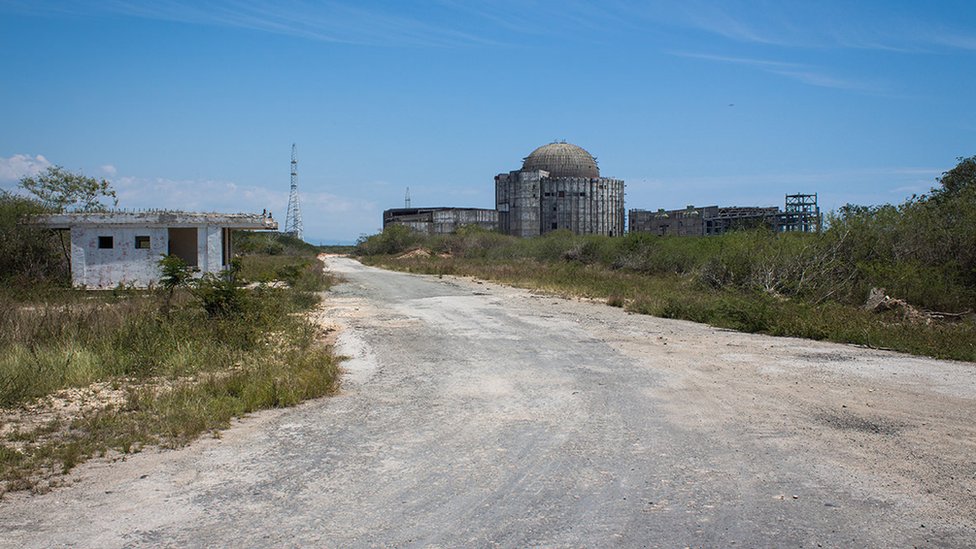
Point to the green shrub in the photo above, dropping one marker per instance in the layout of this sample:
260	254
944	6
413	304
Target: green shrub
30	256
393	240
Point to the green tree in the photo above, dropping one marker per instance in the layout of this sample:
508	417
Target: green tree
28	254
62	190
957	180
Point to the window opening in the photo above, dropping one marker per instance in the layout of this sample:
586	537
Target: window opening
105	242
142	242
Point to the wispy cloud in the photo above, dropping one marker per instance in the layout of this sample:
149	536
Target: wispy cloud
822	80
21	165
761	63
340	22
957	41
820	25
795	71
715	19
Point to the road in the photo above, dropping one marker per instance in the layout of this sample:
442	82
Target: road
473	414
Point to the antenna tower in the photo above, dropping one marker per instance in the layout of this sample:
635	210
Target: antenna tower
293	221
406	199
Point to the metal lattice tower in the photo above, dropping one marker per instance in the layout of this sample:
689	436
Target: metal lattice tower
293	221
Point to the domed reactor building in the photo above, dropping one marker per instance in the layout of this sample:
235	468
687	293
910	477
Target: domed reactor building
559	187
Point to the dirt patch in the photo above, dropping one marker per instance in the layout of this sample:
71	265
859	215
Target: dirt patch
854	422
419	252
826	357
62	406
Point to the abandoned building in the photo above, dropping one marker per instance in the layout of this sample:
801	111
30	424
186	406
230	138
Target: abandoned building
801	214
559	187
109	249
433	221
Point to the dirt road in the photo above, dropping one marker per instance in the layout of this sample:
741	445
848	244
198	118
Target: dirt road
477	415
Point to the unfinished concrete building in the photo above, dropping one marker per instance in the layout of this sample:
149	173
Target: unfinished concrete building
802	214
109	249
559	187
699	221
433	221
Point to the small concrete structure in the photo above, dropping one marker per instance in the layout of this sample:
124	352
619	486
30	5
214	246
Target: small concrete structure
434	221
109	249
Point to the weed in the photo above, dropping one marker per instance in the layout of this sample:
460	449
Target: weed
180	381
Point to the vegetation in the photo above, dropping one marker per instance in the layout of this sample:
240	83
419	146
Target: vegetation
805	285
60	190
154	367
29	256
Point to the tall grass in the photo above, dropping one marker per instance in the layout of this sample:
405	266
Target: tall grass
189	369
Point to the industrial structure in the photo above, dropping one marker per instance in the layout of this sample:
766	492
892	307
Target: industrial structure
109	249
433	221
559	187
293	219
802	214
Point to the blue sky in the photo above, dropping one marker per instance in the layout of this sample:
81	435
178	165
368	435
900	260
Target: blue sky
195	105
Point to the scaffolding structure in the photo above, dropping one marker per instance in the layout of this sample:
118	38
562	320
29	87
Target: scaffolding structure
293	220
802	214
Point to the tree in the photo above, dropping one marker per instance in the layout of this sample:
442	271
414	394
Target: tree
62	190
175	273
28	254
955	181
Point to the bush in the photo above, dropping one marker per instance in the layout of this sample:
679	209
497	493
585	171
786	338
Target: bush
29	255
394	239
220	295
271	243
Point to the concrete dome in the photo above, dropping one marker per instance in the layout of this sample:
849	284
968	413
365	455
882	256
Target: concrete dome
562	160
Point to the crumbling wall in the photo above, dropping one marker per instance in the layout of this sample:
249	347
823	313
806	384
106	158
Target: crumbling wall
123	263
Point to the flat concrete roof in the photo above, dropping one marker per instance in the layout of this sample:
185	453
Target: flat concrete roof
156	219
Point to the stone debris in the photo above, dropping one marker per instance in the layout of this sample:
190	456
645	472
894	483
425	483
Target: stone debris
419	252
878	302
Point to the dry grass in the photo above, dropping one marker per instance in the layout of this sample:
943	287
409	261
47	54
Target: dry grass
85	375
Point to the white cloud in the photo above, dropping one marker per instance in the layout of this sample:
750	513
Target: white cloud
109	170
20	165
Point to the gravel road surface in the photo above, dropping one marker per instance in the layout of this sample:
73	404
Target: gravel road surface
473	414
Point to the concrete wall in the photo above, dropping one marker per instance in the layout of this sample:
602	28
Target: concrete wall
518	201
93	267
448	221
441	220
583	205
98	268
